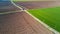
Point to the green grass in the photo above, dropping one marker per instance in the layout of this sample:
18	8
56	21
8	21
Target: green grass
50	16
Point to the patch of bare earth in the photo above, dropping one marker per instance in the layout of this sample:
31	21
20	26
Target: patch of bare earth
38	4
21	23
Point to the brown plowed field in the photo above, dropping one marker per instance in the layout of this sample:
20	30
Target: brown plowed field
21	23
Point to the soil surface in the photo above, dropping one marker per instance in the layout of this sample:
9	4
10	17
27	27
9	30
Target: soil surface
21	23
38	4
28	5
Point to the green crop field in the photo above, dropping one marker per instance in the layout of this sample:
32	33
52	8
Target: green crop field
50	16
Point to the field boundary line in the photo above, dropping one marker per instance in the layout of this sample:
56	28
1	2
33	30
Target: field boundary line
51	29
10	12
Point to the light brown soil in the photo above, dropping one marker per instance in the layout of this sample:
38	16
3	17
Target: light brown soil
31	5
21	23
39	4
